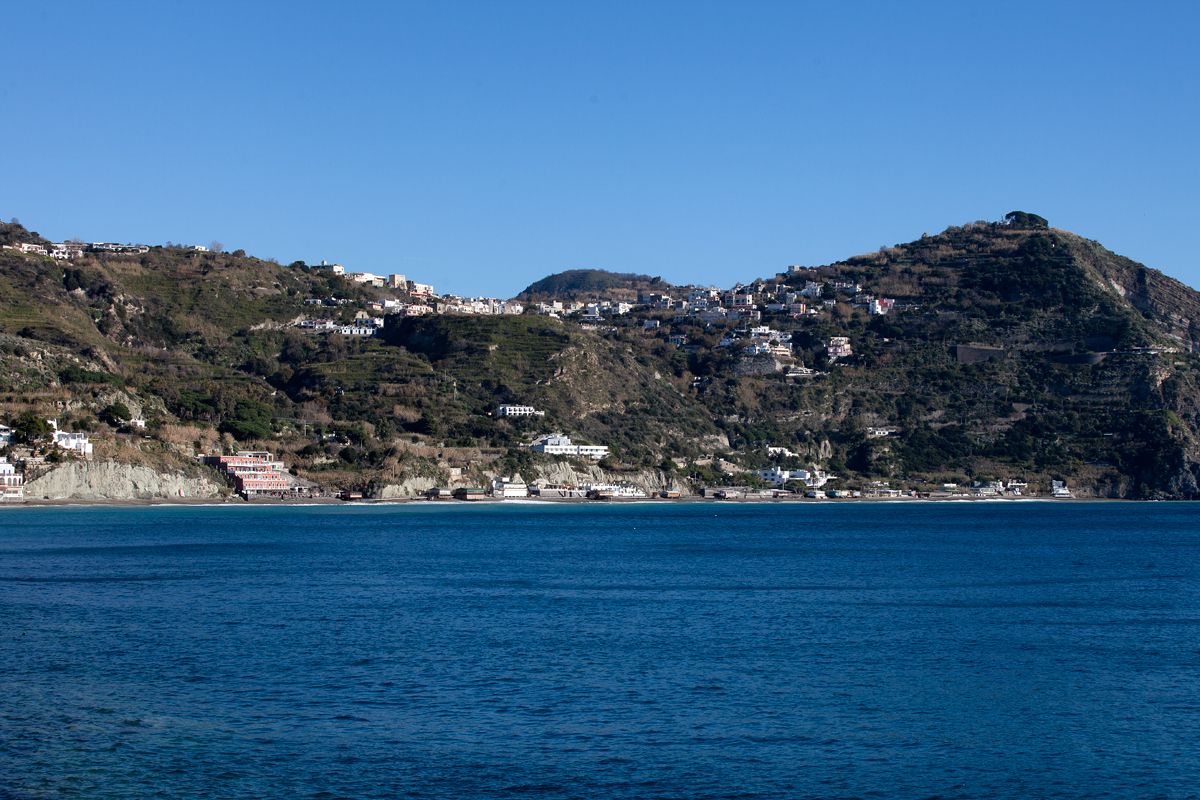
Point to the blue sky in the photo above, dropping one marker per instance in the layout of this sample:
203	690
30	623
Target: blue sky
480	146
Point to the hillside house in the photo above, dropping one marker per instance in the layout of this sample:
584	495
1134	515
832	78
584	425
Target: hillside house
70	440
507	410
839	347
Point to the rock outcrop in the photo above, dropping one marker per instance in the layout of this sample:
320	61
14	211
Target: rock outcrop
111	480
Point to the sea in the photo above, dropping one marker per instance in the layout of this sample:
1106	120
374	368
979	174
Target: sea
648	650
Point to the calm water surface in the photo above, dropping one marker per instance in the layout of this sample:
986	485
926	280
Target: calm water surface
974	650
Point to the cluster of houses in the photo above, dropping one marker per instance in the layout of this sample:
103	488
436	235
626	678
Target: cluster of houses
986	489
12	480
76	442
516	488
421	300
742	303
66	251
762	341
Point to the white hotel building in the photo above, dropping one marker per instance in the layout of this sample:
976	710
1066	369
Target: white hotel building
560	445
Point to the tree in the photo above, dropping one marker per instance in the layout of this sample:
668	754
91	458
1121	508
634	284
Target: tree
216	246
1023	219
116	414
30	427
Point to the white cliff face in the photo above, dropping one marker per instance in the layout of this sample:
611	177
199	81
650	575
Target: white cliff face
651	481
407	489
110	480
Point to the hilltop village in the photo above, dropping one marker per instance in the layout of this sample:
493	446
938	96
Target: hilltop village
955	366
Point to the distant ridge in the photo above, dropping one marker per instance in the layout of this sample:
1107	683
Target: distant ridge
574	284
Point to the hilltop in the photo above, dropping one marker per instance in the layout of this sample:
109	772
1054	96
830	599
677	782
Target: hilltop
577	284
994	351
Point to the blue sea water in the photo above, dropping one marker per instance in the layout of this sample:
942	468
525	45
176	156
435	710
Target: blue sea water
969	650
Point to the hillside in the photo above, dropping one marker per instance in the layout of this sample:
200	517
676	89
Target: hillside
1006	351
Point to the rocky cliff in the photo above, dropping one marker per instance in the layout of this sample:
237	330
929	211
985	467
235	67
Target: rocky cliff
652	481
111	480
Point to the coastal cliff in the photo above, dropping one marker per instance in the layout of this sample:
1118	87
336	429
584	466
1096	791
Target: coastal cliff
651	481
111	480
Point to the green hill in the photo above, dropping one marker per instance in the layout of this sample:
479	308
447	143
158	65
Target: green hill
582	284
1013	351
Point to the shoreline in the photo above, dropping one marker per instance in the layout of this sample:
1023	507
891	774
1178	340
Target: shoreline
530	501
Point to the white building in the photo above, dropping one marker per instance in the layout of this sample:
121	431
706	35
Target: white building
513	488
421	289
334	269
839	347
76	442
778	476
6	434
880	306
12	483
366	278
557	444
518	411
65	251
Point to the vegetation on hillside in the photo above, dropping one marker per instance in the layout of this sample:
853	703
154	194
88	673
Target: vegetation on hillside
1015	351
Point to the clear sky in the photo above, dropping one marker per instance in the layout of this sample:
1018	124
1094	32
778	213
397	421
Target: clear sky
480	146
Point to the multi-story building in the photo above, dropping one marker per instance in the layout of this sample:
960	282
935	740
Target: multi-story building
254	473
557	444
12	483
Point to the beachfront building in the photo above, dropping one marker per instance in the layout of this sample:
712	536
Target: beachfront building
509	488
254	473
557	444
12	483
777	476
